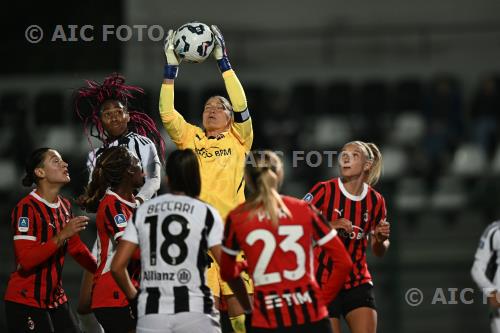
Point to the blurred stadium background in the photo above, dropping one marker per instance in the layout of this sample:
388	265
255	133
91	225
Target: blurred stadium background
421	79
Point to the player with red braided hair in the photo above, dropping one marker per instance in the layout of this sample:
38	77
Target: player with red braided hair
108	113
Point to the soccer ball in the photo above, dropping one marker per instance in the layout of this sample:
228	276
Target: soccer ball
194	42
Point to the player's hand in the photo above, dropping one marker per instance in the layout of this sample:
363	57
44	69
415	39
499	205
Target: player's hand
74	226
220	46
382	231
172	58
220	51
342	223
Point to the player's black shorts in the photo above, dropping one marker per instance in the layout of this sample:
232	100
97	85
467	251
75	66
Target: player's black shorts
116	320
23	318
348	300
321	326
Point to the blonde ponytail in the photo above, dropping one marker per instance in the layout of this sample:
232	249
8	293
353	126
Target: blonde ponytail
264	174
376	168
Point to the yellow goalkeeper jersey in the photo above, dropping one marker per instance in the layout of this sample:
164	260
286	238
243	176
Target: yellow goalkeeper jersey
221	158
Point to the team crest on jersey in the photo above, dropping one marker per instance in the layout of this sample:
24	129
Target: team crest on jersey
308	197
23	224
120	220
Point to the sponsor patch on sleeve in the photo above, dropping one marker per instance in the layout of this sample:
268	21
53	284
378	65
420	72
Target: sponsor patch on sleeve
120	221
308	197
23	224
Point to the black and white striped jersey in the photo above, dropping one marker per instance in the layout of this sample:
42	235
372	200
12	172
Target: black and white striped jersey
174	233
487	260
146	151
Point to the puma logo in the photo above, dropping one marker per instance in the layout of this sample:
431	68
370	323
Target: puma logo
339	212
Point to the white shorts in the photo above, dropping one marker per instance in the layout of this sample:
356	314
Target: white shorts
184	322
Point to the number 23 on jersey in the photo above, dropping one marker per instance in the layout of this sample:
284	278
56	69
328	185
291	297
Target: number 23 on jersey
290	243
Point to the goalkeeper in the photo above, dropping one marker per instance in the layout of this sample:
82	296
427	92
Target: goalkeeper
221	147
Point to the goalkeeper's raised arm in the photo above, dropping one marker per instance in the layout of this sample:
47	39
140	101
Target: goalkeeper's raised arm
242	124
219	115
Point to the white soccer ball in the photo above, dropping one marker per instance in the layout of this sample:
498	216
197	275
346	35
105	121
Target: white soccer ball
194	42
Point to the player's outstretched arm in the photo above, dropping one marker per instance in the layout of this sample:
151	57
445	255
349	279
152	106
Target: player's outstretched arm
242	120
172	120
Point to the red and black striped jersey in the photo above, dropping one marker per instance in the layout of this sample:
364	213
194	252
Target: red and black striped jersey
365	212
111	219
280	262
37	281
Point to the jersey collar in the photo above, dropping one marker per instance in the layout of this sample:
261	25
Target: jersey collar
351	196
219	136
128	203
50	204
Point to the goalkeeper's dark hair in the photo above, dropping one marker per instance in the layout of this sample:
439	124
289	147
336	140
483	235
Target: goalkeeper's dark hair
35	160
183	172
109	171
88	103
264	175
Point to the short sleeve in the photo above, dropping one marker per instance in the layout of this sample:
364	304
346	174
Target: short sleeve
230	242
316	196
322	232
149	156
151	165
115	220
130	234
24	222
